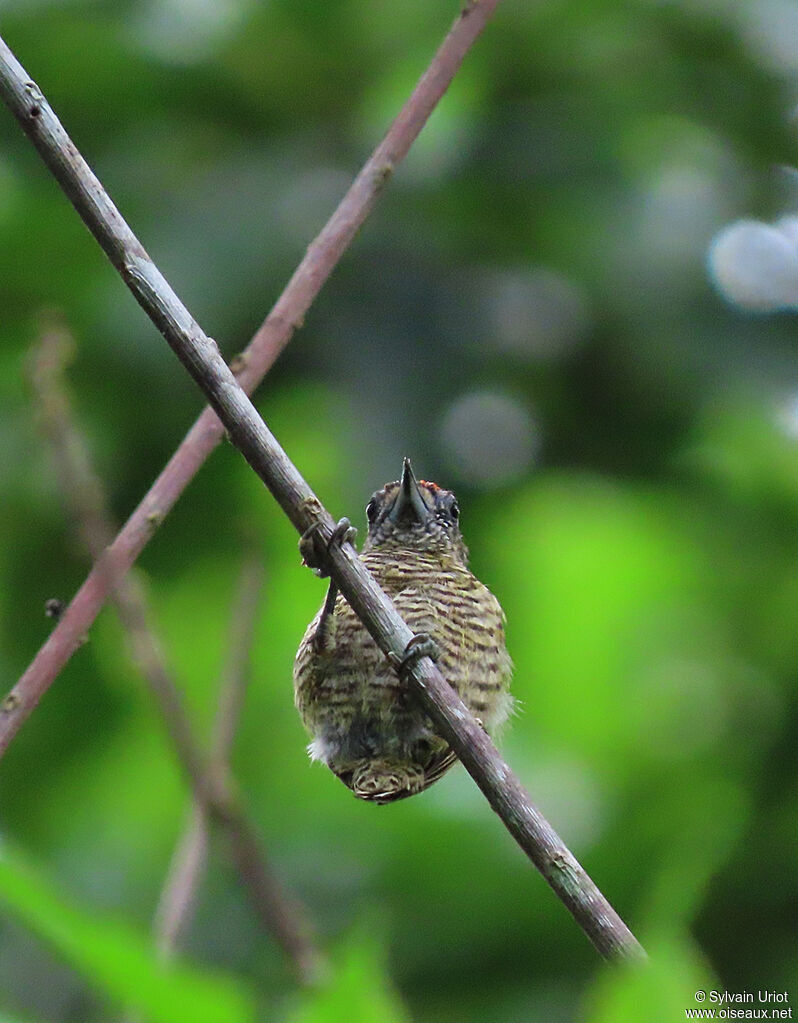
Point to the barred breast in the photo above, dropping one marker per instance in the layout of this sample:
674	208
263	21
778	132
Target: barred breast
352	701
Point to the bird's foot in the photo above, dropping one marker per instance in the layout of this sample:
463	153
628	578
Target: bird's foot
421	645
315	550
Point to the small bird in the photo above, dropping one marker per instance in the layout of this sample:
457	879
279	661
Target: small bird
367	726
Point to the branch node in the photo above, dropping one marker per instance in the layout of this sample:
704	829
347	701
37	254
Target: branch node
35	97
383	173
54	608
10	703
200	339
134	268
154	518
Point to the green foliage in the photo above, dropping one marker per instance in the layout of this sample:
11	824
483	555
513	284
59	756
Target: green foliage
628	482
115	960
659	992
359	989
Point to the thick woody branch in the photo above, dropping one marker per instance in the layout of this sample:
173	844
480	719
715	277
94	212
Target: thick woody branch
211	782
250	434
250	366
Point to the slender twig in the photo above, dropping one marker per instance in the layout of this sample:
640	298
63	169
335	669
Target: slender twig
250	367
178	894
237	670
214	791
250	434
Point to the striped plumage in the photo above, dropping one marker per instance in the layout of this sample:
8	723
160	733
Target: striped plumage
365	723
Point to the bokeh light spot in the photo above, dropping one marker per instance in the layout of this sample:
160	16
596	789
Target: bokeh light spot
186	31
489	438
755	265
539	314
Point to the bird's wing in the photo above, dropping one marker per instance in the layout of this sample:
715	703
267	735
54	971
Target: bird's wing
439	764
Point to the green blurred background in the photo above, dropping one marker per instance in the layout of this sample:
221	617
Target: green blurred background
527	314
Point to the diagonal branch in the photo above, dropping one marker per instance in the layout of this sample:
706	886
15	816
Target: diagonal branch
213	788
250	434
251	366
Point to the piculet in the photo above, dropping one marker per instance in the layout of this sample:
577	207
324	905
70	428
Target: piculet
366	723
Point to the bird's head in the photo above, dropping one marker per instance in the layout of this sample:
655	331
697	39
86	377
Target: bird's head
415	514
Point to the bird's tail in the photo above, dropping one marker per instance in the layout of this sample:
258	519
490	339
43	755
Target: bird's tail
386	781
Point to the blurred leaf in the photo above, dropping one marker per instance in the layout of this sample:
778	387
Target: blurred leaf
603	588
360	991
748	448
658	992
706	821
647	568
116	961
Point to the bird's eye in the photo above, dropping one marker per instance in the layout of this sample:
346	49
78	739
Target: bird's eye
371	510
454	511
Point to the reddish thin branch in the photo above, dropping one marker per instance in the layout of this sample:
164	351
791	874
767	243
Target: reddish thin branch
251	366
210	778
85	501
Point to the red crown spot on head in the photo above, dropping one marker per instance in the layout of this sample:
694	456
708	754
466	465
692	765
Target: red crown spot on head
429	485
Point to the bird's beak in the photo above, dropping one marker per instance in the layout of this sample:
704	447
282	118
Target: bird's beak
409	501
